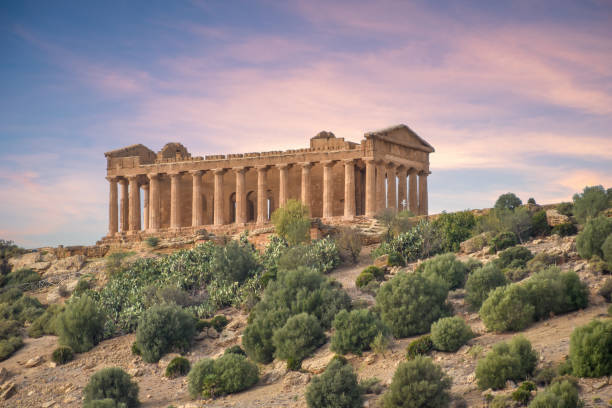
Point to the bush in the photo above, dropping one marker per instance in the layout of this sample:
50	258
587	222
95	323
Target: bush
419	347
24	309
177	367
590	203
163	328
113	383
450	333
45	323
81	325
298	338
503	240
104	403
236	349
508	201
418	383
115	262
228	374
364	279
380	344
522	394
320	255
292	222
591	349
9	346
481	282
337	387
507	309
454	228
507	361
606	250
472	264
562	393
606	290
21	277
297	291
545	375
590	240
515	257
566	209
410	303
355	330
219	322
565	229
349	242
553	292
84	284
539	224
395	260
152	242
421	241
451	270
62	355
234	262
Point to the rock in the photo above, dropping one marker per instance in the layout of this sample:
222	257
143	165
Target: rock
4	375
554	217
34	361
271	377
599	385
317	363
212	333
52	364
295	378
66	265
382	261
25	260
136	372
48	404
40	266
371	359
7	390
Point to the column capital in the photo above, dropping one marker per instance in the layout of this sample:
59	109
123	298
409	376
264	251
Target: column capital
145	186
263	167
328	163
133	177
413	171
402	169
196	172
241	169
122	180
282	166
112	178
220	171
306	165
349	161
424	173
175	174
390	165
152	176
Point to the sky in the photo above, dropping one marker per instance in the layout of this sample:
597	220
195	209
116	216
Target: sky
514	96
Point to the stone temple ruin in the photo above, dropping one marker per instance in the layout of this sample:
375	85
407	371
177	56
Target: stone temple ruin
334	177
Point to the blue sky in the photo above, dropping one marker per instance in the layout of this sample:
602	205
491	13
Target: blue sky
514	96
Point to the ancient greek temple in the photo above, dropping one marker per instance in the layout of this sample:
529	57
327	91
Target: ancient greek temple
173	191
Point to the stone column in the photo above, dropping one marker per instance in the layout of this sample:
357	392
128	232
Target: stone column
380	187
413	204
391	187
306	185
423	210
349	189
241	200
134	211
154	204
124	205
113	210
370	188
283	189
145	207
402	198
219	218
328	189
175	205
262	200
196	198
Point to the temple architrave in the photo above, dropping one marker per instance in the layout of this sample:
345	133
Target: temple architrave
333	177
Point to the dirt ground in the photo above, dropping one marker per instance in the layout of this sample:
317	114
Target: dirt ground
48	386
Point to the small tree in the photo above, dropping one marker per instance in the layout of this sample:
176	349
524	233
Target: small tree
113	383
81	325
606	250
591	349
450	333
292	222
481	282
297	339
508	201
562	393
507	309
418	383
228	374
507	361
454	228
234	262
590	240
590	203
447	267
349	242
355	331
337	387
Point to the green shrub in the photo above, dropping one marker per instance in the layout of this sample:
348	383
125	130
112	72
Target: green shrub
21	277
419	242
507	309
228	374
378	273
454	228
136	349
380	344
561	394
355	330
539	224
508	201
590	240
337	387
472	264
553	292
543	260
9	346
606	290
364	279
164	328
236	349
349	242
81	325
152	242
10	295
234	262
292	222
610	310
46	322
481	282
451	270
450	333
545	375
418	383
514	257
177	367
298	338
113	383
566	209
522	394
503	240
9	328
396	259
371	385
293	292
321	255
219	322
565	229
104	403
62	355
590	203
606	250
410	303
115	262
24	309
591	349
507	361
419	347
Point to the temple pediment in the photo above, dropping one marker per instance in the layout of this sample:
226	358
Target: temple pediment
401	135
145	154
